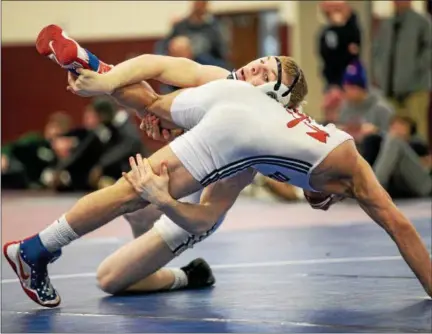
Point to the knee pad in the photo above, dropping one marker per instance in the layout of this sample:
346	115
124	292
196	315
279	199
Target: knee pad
177	239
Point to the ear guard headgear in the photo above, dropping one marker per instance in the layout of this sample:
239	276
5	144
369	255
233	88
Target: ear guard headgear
277	90
232	75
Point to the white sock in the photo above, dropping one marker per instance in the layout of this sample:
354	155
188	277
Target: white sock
58	235
180	279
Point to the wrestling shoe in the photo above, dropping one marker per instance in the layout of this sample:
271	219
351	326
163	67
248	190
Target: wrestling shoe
199	274
29	260
53	42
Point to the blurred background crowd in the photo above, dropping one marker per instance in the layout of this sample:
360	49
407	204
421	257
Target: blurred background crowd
368	65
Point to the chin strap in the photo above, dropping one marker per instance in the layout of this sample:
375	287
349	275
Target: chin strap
232	75
277	90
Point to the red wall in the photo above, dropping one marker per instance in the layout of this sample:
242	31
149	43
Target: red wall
33	87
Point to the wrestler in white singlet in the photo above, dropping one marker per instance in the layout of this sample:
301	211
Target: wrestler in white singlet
233	126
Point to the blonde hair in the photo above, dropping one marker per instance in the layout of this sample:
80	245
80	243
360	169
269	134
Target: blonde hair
300	90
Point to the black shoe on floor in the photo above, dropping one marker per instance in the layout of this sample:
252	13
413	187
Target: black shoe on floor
199	274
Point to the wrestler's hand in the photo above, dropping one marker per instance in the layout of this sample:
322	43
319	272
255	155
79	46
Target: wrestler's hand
151	125
320	201
147	184
72	78
89	83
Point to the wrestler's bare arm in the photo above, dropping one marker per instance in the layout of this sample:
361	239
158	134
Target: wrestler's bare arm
376	202
216	200
179	72
197	219
143	99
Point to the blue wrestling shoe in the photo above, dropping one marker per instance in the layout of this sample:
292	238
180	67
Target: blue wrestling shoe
29	260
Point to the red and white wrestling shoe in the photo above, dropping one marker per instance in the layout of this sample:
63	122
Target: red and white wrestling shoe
29	260
53	42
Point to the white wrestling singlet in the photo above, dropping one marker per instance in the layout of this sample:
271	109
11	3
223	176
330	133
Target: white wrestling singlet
233	126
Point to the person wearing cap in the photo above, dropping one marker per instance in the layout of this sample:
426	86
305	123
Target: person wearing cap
364	110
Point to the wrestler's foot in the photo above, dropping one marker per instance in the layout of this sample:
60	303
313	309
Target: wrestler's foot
29	260
199	274
52	42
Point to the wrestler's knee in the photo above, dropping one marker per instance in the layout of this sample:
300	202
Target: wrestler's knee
109	278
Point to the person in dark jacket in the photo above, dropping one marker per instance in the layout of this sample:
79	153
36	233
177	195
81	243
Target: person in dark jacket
25	159
102	148
339	41
197	37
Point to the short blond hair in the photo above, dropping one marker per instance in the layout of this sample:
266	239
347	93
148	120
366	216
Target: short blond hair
300	90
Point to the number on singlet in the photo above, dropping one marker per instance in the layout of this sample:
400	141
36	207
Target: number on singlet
316	132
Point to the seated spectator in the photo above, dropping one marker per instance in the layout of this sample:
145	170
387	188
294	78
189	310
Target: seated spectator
101	148
125	142
24	160
364	111
400	159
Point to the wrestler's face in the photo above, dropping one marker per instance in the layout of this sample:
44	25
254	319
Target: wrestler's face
260	71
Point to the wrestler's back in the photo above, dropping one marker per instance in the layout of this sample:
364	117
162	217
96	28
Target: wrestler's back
240	127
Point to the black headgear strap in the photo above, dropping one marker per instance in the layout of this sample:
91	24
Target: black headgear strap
279	79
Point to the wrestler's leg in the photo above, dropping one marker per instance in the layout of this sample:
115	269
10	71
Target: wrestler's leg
52	42
136	260
142	220
98	208
138	266
89	213
157	243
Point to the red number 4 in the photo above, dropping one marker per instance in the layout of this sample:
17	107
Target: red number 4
317	133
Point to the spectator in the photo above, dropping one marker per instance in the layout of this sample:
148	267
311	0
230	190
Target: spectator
402	63
363	111
401	161
197	37
77	151
339	41
100	149
125	142
24	160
